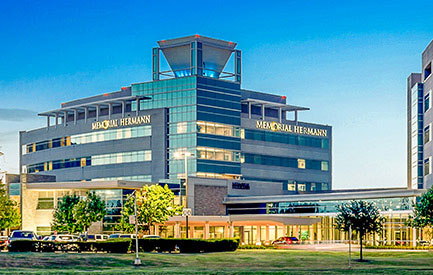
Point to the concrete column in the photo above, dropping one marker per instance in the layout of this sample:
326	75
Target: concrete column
263	111
48	122
232	230
296	116
249	109
157	229
280	114
191	231
138	106
258	235
226	231
206	230
123	108
110	107
177	230
267	235
75	116
319	231
97	112
86	113
311	232
65	118
57	119
284	230
413	236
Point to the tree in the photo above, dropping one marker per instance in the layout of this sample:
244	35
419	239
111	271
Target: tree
155	205
9	213
364	217
423	211
89	210
63	217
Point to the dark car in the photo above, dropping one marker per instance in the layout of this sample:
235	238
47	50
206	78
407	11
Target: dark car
22	235
285	240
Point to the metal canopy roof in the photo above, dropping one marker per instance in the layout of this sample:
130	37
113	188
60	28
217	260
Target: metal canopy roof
284	107
94	104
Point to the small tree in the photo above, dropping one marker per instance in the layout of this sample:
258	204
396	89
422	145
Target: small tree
364	217
63	217
9	213
89	210
155	204
423	212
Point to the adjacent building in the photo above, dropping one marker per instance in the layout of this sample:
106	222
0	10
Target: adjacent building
419	124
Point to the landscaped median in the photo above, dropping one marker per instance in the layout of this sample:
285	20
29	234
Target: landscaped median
128	245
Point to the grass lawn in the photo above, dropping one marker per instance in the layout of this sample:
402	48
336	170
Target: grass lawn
239	262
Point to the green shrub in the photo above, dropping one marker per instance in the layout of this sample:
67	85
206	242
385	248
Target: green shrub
23	246
126	245
253	246
398	247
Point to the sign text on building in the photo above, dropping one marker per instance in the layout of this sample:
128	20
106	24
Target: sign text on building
294	129
121	122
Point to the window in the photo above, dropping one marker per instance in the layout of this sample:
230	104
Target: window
325	166
301	163
427	102
427	168
427	134
427	71
291	186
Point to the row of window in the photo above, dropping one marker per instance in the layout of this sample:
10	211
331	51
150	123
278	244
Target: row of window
302	186
218	154
287	138
114	158
146	178
322	165
114	134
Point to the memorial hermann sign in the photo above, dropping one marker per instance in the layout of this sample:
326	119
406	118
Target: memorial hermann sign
120	122
294	129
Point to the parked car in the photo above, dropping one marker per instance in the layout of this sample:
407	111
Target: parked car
22	235
95	237
285	240
46	238
116	236
151	237
64	238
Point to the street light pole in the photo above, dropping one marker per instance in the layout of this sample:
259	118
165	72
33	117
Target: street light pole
186	182
137	259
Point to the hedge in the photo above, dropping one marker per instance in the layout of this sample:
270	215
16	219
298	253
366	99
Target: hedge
110	246
186	245
128	245
399	247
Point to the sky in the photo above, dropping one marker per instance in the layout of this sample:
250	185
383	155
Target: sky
346	60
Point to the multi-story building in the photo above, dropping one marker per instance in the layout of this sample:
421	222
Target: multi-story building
196	108
254	169
419	124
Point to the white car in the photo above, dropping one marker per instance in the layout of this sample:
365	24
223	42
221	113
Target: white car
64	238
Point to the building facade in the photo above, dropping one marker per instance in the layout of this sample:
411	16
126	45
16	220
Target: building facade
196	108
240	159
419	124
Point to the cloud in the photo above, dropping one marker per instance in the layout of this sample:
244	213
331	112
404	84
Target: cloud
17	114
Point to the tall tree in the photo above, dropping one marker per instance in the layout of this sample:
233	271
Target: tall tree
364	217
155	205
9	213
63	217
423	212
89	210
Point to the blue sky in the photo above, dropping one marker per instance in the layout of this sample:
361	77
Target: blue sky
346	60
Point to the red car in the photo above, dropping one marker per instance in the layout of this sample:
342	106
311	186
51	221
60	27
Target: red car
3	242
286	240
